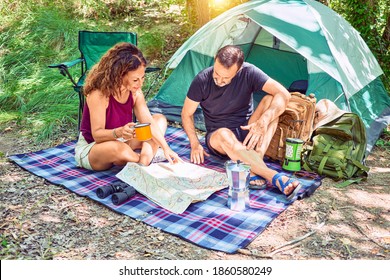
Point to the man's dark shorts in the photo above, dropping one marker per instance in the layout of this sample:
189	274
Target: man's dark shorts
238	132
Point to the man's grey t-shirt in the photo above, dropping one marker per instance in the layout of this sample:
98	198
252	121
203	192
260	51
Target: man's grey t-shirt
229	106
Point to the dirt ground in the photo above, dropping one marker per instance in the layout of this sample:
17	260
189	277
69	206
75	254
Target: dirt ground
43	221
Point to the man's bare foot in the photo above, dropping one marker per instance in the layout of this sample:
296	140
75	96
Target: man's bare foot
256	181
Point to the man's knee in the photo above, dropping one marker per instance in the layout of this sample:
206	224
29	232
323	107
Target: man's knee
159	118
161	121
223	137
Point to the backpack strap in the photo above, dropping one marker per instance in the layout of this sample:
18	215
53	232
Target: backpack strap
307	167
360	165
337	167
348	182
325	159
360	175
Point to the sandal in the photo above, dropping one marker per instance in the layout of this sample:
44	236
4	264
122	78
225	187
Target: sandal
256	187
278	178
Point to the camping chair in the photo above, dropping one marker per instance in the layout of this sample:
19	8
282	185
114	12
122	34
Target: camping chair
92	45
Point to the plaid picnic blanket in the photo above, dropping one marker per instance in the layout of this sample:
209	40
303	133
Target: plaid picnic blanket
209	224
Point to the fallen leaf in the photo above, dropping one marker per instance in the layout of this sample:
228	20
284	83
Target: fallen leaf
386	239
375	251
346	241
314	214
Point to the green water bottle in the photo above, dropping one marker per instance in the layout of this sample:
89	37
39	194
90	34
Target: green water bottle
292	158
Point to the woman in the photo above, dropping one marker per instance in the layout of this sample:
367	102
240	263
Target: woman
113	91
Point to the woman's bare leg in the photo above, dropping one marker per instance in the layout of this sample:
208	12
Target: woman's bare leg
149	148
104	155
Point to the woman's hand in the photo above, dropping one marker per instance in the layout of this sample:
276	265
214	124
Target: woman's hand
171	156
128	131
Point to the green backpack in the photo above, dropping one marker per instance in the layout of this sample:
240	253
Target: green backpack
338	150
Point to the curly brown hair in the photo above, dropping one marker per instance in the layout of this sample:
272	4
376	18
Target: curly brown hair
107	75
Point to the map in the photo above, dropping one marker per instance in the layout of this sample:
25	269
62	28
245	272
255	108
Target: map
173	186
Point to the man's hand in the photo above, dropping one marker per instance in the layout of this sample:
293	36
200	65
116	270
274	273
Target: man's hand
198	153
255	135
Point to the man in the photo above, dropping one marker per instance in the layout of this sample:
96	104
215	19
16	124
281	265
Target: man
225	93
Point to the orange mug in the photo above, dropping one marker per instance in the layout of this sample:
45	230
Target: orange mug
143	132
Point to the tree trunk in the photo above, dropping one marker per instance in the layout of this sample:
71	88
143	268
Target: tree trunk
198	11
203	12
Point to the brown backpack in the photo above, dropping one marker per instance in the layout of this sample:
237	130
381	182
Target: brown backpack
295	122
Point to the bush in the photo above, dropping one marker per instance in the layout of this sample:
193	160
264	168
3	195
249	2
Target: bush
370	18
36	33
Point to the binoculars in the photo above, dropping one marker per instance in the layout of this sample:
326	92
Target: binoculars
120	192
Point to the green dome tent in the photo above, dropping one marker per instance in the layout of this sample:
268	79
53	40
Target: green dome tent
290	40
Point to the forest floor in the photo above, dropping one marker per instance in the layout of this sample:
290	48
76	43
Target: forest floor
44	221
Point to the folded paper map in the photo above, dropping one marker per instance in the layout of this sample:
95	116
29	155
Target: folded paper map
173	186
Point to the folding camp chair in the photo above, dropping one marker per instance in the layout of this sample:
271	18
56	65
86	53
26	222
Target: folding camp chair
92	45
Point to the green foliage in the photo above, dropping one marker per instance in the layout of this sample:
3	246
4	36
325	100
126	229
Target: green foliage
29	43
370	19
384	141
4	242
37	33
